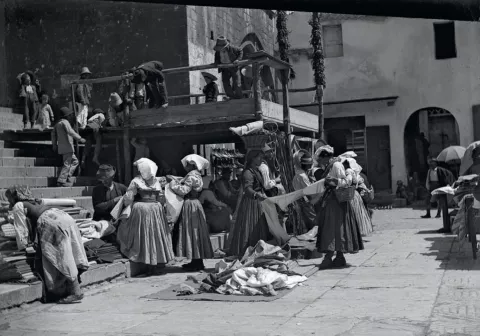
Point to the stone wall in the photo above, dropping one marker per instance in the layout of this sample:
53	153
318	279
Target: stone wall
59	37
235	24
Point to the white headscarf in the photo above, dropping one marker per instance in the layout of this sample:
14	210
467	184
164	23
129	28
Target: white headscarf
326	148
147	168
353	164
198	161
349	154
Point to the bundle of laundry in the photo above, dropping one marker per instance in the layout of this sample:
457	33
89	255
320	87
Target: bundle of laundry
90	229
101	251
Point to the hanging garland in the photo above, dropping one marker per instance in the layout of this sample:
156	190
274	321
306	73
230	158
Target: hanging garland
282	39
318	59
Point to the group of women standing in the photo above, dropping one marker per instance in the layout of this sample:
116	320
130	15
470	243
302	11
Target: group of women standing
147	236
341	223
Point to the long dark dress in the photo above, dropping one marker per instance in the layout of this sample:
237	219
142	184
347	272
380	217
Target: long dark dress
251	224
339	223
216	212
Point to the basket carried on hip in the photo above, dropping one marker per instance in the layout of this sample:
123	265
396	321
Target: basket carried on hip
368	195
345	194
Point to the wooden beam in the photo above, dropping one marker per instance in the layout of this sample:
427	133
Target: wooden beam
127	159
257	95
363	100
460	10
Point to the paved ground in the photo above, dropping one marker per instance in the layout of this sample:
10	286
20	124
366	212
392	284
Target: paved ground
407	282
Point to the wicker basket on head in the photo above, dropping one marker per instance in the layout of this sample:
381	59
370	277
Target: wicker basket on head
255	141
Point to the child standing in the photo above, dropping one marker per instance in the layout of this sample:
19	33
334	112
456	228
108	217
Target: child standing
62	141
211	89
45	118
29	100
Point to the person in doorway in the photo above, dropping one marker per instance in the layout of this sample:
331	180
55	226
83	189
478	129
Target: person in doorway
437	177
225	53
95	123
145	236
211	89
224	189
62	141
151	74
217	213
29	101
106	195
141	149
59	248
45	117
338	222
83	96
193	240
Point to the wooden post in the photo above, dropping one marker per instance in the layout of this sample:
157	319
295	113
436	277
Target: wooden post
321	131
257	95
126	145
75	127
286	105
119	162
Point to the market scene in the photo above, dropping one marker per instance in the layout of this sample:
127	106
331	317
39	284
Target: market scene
258	172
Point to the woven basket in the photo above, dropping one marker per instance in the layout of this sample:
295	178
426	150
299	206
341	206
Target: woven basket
256	141
345	194
368	195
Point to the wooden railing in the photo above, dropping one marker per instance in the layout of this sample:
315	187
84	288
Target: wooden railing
255	59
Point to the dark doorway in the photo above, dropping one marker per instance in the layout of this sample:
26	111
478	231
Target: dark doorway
378	157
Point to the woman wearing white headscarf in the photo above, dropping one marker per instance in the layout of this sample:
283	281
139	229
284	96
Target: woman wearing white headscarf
193	241
145	236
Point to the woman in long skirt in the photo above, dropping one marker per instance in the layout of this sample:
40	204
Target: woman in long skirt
193	235
145	236
250	224
60	244
338	222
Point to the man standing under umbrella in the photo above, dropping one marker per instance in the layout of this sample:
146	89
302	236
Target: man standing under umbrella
437	177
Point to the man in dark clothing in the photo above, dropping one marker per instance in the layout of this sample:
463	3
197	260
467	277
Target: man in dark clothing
151	74
106	195
437	177
225	53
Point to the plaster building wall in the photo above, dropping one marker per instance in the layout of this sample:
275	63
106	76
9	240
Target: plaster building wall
205	24
392	57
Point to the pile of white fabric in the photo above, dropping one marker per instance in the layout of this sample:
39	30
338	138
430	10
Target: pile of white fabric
90	229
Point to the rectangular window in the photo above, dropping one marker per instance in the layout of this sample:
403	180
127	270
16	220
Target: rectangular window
445	46
332	41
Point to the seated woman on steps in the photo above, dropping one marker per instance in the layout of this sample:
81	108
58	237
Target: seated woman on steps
59	248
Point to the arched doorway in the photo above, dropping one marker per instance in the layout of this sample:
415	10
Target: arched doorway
427	132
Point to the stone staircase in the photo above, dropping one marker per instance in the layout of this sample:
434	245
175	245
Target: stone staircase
34	164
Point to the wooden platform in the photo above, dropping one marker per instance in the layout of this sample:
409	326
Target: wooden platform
205	123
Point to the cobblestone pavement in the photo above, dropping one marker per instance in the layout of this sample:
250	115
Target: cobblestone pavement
409	281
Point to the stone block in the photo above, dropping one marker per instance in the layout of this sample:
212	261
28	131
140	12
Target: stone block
9	152
134	269
103	272
12	295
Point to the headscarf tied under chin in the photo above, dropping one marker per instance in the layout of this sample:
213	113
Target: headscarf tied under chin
147	168
198	161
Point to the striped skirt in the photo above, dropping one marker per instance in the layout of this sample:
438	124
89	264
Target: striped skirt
250	227
339	226
363	217
193	240
145	236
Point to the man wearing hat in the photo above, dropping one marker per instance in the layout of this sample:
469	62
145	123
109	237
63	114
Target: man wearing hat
211	89
62	141
106	195
225	53
151	74
83	96
437	177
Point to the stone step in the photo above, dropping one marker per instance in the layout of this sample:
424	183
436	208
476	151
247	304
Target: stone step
28	171
29	162
84	202
57	192
42	182
9	152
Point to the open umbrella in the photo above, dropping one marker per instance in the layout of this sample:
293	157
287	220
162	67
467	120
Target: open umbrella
467	160
451	153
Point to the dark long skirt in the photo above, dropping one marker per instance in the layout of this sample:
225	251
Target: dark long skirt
338	226
250	227
192	237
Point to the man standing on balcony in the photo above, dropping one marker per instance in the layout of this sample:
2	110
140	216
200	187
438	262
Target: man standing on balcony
151	74
225	53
